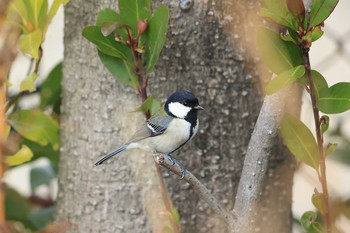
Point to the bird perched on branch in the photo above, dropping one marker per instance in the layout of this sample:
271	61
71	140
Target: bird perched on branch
166	131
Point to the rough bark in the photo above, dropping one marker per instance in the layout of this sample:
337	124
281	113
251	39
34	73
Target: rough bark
94	106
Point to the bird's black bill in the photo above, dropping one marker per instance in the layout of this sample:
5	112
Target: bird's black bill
110	155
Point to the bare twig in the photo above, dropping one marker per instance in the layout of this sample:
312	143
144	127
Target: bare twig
176	168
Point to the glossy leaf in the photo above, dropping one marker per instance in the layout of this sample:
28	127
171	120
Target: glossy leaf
50	91
41	175
108	15
22	156
335	99
155	37
299	140
145	106
120	69
28	83
296	7
277	11
30	43
35	126
317	33
279	55
104	44
133	11
284	79
309	223
320	11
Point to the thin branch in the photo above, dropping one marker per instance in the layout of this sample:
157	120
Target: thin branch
319	136
202	191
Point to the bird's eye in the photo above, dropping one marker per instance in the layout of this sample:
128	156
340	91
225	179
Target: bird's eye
185	103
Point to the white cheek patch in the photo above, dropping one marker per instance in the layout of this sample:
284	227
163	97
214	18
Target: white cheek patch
179	110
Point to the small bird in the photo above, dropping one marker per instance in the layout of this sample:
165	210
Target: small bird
168	130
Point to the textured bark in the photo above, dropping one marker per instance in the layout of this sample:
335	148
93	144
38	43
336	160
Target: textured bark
94	199
208	51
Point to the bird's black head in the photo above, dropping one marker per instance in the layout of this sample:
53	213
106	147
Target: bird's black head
182	103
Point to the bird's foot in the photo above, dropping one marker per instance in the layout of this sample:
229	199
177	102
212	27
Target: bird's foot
182	166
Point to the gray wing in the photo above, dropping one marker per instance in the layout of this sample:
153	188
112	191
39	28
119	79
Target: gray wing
155	126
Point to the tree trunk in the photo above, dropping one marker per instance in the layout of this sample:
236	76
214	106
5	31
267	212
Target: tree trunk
208	51
94	113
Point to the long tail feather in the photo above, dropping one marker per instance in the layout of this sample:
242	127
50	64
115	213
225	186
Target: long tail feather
110	155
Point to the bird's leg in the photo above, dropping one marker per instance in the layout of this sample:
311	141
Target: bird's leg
182	166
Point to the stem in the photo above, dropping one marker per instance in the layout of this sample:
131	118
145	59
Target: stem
319	136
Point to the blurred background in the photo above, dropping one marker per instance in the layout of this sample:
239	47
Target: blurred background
330	55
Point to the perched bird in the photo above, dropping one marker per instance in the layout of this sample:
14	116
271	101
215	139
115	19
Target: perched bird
166	131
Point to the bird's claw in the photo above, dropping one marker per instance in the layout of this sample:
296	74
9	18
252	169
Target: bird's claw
182	166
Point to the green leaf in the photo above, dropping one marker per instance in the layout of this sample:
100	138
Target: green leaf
320	11
284	79
22	156
330	148
106	45
324	121
36	126
39	8
278	12
320	83
155	107
155	37
40	151
41	175
120	69
317	33
30	43
108	15
132	11
317	201
28	83
145	106
279	55
335	99
308	221
42	217
54	7
151	105
17	208
299	140
18	12
50	91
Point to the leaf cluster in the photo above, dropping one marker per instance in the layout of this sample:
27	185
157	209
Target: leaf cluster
286	55
37	134
129	42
